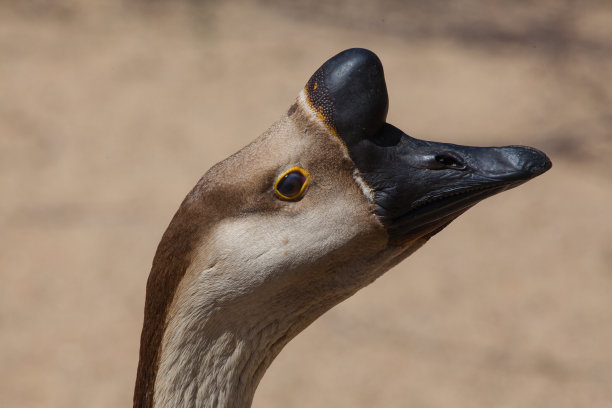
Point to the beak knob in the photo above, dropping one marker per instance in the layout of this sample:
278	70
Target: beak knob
349	93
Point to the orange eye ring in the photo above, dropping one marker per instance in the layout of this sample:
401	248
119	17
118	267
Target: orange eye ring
292	183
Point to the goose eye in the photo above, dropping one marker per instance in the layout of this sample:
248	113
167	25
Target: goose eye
292	183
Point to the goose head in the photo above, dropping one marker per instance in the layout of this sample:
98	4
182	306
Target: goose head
320	205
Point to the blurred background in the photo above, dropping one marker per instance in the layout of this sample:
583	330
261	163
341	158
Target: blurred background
110	111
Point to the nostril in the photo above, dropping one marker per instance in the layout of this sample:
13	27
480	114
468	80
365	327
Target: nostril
449	161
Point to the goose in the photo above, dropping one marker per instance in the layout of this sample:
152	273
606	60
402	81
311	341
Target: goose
320	205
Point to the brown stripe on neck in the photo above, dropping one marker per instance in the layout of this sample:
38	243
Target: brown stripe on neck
171	260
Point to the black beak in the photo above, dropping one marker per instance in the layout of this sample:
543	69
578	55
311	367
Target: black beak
421	186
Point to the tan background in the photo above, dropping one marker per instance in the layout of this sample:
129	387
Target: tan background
109	113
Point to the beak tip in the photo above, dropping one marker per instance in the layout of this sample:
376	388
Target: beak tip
536	162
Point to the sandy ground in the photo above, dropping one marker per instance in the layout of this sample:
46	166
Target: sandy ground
109	114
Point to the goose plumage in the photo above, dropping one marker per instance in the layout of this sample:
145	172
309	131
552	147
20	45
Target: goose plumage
319	206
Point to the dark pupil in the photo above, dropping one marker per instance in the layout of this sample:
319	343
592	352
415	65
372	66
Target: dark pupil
291	184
